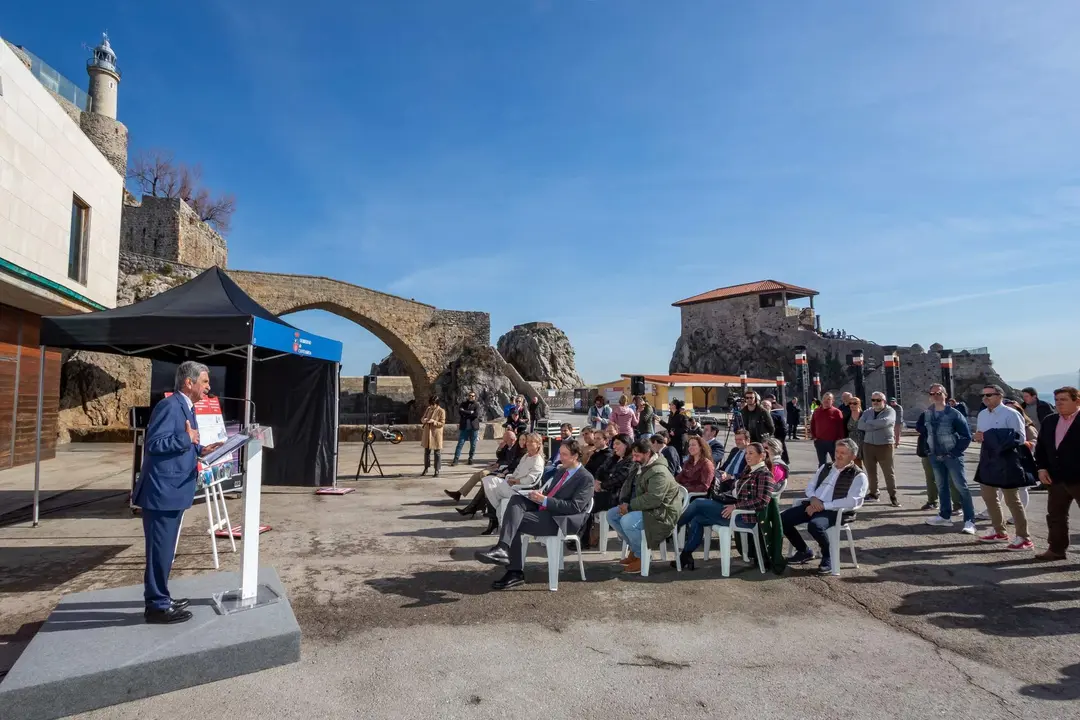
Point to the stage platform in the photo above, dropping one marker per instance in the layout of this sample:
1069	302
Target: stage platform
95	650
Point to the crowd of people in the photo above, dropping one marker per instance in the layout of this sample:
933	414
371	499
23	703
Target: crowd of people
625	467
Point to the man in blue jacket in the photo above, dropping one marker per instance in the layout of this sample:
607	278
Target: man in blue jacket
166	487
947	437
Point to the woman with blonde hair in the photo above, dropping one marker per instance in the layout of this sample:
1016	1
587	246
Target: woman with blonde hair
526	475
853	430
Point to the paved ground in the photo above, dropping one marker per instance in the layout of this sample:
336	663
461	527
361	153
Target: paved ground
398	620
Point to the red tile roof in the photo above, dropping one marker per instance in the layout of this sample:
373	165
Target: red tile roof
702	380
754	288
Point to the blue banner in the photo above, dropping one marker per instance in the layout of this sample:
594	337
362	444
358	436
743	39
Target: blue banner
275	336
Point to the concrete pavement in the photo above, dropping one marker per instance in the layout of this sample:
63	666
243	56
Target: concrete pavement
398	619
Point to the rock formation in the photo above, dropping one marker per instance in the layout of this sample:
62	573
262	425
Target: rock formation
97	389
542	353
390	365
475	368
765	352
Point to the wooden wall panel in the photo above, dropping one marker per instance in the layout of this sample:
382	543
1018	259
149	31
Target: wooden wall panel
19	367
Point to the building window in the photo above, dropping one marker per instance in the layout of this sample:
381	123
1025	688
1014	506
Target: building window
80	234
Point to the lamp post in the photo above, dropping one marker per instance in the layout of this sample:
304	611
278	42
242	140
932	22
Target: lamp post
817	388
947	372
860	375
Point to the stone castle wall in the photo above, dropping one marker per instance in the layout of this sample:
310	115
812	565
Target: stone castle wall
109	136
729	336
169	229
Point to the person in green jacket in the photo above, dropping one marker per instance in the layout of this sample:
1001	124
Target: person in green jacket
648	502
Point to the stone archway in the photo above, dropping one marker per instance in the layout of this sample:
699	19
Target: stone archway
422	335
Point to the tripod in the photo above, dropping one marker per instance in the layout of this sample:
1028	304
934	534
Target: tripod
368	458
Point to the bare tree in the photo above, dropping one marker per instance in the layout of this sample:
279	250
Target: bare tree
156	173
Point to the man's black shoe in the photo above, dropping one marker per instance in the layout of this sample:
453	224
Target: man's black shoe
166	617
929	506
871	498
801	557
495	556
509	580
181	604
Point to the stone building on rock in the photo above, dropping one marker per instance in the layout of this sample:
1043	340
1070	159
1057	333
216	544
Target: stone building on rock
754	328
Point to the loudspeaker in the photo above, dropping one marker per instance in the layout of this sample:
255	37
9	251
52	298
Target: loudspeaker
371	384
637	385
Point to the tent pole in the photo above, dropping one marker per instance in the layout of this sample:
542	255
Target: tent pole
337	395
249	552
37	437
247	385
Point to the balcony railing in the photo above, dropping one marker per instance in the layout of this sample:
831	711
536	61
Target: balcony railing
57	83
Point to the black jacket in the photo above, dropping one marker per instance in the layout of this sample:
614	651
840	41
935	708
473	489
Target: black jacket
758	422
615	472
674	460
794	414
469	415
779	425
677	424
1005	461
1063	461
597	460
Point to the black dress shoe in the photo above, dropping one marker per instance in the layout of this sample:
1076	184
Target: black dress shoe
509	580
166	617
686	560
454	494
492	528
495	556
180	604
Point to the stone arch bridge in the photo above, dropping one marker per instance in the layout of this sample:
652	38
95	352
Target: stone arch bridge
421	335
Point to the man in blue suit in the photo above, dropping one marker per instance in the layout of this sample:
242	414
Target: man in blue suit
166	486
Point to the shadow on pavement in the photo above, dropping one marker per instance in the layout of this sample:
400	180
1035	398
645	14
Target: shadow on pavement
1067	688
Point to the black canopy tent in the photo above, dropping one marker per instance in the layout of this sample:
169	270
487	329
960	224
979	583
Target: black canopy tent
291	377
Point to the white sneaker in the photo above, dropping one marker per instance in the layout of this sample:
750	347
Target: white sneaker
938	521
969	528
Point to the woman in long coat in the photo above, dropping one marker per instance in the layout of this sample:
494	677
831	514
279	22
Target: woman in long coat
431	437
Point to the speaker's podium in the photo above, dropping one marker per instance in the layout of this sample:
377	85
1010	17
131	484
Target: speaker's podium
95	650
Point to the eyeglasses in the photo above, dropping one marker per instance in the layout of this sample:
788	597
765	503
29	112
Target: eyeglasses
990	395
877	400
936	393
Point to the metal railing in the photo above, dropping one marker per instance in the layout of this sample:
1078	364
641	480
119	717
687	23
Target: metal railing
57	83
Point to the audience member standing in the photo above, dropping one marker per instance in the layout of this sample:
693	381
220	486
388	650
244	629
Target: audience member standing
851	427
756	419
899	425
677	425
947	437
780	426
646	418
1057	454
536	412
468	427
826	427
432	424
922	450
624	417
1036	409
794	417
878	426
845	409
599	413
1001	431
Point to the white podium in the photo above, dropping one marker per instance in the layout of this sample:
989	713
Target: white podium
250	594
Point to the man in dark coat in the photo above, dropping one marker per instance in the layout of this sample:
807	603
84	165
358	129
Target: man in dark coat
794	417
1057	455
756	419
468	427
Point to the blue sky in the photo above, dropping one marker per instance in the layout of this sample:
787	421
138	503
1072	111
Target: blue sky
589	162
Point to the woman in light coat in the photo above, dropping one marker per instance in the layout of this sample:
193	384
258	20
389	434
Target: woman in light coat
431	437
526	475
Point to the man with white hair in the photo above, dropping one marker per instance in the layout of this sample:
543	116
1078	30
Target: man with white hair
878	425
166	487
833	489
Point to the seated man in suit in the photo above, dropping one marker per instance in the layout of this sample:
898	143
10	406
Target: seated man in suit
833	489
166	486
736	459
711	433
560	504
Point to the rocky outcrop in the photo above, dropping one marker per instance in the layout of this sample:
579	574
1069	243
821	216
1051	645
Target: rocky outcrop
474	368
389	365
98	389
765	352
542	353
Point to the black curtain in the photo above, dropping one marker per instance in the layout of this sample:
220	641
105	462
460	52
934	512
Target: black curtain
295	396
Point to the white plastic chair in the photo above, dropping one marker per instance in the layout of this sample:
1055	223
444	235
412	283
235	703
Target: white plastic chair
725	533
556	553
646	555
838	526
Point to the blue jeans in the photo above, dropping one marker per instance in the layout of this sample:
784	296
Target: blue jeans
464	435
702	514
817	525
952	469
628	527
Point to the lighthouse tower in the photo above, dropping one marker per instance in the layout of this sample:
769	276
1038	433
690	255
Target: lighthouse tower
104	79
100	123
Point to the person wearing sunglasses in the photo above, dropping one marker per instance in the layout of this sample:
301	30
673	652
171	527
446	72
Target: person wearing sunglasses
878	426
947	437
1000	429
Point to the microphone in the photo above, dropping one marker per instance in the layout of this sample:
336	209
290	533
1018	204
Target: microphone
238	399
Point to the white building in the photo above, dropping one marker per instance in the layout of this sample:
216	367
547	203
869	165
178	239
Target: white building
60	207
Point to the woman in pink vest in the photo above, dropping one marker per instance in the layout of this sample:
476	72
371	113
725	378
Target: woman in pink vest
624	417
